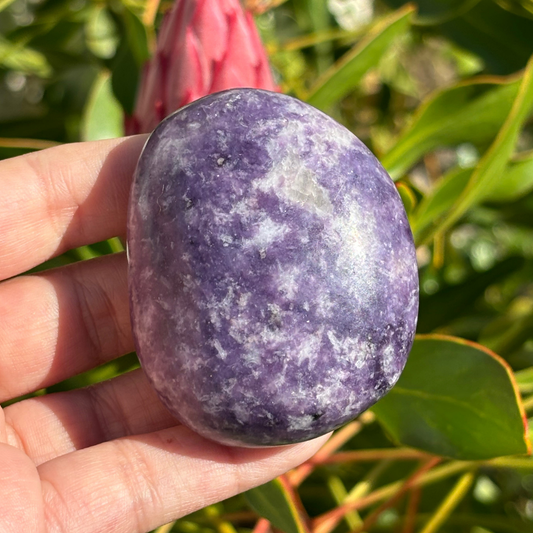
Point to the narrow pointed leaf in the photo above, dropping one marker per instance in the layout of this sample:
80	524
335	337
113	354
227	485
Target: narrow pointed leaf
516	181
272	501
136	35
408	197
493	163
441	199
479	106
24	59
457	399
342	77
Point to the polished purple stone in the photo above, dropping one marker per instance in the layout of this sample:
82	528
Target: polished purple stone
273	278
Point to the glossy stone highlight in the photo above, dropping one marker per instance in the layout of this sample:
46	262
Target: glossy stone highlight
273	278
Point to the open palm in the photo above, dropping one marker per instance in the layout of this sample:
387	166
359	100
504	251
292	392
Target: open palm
108	457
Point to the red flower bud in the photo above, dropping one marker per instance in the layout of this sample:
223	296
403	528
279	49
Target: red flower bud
204	46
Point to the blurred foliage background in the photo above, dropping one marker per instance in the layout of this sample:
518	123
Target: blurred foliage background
442	93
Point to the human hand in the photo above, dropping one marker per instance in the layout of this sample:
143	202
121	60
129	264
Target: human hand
108	458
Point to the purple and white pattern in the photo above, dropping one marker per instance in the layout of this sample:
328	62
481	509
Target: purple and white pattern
273	278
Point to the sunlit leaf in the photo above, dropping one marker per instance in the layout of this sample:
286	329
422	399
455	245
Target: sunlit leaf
478	106
23	59
407	195
104	372
493	163
342	77
5	3
103	117
515	182
441	199
101	33
455	398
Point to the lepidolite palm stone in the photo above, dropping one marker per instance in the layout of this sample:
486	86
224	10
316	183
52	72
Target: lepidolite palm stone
273	279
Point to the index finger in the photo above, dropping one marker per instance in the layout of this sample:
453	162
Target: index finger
63	197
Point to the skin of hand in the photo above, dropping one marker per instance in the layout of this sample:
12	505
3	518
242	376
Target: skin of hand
108	457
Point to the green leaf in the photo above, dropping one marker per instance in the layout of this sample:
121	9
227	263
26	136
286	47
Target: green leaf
103	117
272	501
408	197
136	35
494	161
454	301
5	3
132	54
441	199
502	39
125	78
109	370
515	182
457	399
479	106
342	77
24	59
101	33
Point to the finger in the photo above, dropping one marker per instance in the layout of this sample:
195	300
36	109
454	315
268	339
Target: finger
61	322
137	483
49	426
63	197
21	504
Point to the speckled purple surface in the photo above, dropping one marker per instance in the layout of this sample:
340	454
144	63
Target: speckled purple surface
273	278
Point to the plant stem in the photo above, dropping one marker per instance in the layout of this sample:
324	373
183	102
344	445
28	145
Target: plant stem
450	503
374	455
334	443
30	144
359	491
371	519
512	462
437	474
262	526
412	509
296	502
339	493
